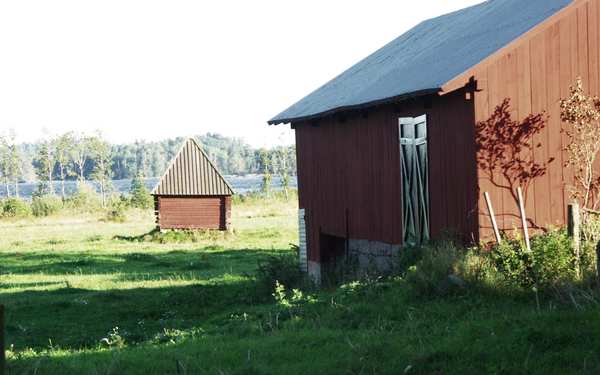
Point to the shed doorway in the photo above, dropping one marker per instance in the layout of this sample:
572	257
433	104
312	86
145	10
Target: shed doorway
415	180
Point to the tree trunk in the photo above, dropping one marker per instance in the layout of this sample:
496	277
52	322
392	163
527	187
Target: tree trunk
102	194
81	165
62	182
50	184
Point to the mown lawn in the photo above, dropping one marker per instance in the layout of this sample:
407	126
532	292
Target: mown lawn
80	302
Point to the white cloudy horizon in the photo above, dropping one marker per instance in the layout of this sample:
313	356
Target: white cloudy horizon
149	70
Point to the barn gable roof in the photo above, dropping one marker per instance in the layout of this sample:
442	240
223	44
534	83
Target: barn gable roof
191	173
426	57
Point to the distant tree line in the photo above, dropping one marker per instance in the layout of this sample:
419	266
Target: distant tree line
74	156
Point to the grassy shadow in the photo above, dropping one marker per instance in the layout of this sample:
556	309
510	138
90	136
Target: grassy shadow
74	318
81	263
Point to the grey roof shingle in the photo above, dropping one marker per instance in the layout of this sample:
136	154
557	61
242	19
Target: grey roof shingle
426	57
191	173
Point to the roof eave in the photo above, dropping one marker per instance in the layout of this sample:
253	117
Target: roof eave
397	98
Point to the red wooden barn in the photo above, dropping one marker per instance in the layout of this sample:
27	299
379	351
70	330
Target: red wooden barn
402	146
192	194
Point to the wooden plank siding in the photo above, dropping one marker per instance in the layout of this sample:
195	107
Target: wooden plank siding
192	173
535	73
349	172
194	212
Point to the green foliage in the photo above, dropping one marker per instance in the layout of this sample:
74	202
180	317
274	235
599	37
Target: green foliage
102	155
280	269
257	197
10	161
85	199
550	262
266	161
86	157
15	208
45	205
590	228
139	196
280	160
438	271
117	210
177	236
113	339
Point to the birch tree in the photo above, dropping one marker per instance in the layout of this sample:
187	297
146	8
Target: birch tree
102	174
5	163
283	169
14	161
64	146
266	163
46	160
80	154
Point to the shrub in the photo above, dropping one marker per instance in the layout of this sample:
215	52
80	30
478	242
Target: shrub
117	209
282	269
45	205
590	228
15	208
438	271
550	262
85	199
258	197
139	196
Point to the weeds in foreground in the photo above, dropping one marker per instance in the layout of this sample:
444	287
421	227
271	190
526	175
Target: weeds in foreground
282	269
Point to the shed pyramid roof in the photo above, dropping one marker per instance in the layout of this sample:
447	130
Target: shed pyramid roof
191	173
425	58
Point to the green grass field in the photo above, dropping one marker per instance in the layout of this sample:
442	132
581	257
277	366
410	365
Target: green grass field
80	302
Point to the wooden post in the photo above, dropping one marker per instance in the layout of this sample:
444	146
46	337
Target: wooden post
524	219
598	262
488	201
574	230
2	349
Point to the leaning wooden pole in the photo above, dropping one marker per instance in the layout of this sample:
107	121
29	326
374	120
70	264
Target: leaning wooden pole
598	262
524	219
490	208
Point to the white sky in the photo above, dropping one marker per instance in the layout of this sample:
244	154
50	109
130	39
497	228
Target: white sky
147	69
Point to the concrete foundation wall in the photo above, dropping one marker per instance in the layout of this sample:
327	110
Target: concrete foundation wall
373	255
367	256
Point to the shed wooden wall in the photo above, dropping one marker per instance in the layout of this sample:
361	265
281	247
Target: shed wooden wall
203	212
535	72
349	171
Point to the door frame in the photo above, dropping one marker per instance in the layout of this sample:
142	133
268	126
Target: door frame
414	159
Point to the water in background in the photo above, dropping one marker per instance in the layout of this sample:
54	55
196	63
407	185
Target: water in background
240	184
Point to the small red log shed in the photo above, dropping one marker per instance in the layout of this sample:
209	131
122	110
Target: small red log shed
192	194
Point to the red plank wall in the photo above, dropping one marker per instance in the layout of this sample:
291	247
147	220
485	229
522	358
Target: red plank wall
535	72
194	212
349	171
